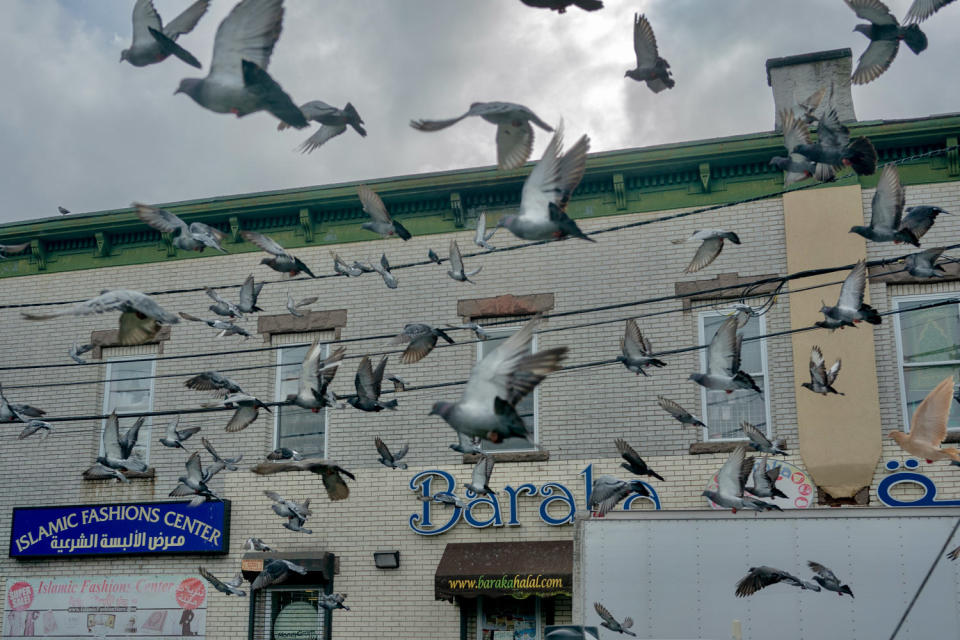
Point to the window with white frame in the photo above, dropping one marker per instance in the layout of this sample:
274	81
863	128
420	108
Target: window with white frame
928	350
295	427
129	389
724	412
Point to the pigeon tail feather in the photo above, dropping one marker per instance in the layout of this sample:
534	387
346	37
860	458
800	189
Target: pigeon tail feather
168	46
915	38
862	156
870	314
401	230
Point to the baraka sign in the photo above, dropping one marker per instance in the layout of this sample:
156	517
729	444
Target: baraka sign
557	504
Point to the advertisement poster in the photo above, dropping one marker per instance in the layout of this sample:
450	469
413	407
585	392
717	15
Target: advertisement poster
144	607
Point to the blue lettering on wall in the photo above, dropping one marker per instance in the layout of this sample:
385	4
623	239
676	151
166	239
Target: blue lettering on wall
928	499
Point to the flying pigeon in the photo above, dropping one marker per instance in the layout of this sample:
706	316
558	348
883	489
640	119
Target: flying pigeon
637	353
391	460
332	121
923	264
380	220
826	579
316	374
284	453
920	10
281	260
275	571
332	601
560	6
192	484
399	384
33	427
711	244
247	410
100	472
472	446
634	463
821	380
765	481
885	34
222	307
329	472
730	485
78	350
225	327
760	577
608	491
118	454
152	42
514	133
248	295
809	106
760	442
293	305
10	249
295	512
796	166
174	437
231	588
480	478
447	498
340	266
384	270
368	382
886	210
678	412
195	237
835	149
238	81
723	362
230	464
256	544
431	254
546	191
917	222
481	237
457	270
422	338
219	385
611	623
497	383
63	210
928	426
13	412
651	68
478	331
140	317
850	308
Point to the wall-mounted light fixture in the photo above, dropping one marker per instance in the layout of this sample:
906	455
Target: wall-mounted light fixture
386	559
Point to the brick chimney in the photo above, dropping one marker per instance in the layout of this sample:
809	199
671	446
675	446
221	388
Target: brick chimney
796	78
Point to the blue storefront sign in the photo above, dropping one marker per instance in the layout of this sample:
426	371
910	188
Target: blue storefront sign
134	528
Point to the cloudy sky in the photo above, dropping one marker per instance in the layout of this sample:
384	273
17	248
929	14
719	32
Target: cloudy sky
79	129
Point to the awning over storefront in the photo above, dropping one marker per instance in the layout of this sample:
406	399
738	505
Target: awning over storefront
494	569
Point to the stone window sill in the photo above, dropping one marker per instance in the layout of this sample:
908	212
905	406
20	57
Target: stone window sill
509	456
149	474
702	448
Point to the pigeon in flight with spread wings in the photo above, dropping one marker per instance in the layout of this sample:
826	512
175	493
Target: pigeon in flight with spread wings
281	261
795	165
480	237
256	544
850	308
923	264
238	81
230	587
731	481
821	379
193	484
333	601
247	410
422	338
678	412
760	442
480	478
634	463
928	426
196	236
219	385
389	459
723	362
711	244
174	438
33	426
457	271
225	327
765	481
637	352
885	34
828	580
760	577
295	512
514	132
221	306
886	210
332	121
608	491
276	571
118	454
368	383
249	292
316	374
651	68
140	317
560	6
153	42
230	464
920	10
380	220
834	149
611	623
329	472
497	383
13	412
383	268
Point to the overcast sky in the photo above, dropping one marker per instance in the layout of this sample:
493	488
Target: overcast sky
79	129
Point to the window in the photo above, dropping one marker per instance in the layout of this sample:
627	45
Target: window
526	408
296	428
288	612
724	412
928	347
508	618
132	392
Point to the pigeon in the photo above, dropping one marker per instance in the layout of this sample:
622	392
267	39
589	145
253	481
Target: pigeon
760	577
11	249
380	221
174	438
78	350
247	410
678	412
391	460
634	463
497	383
885	34
923	264
473	446
332	121
331	601
368	384
152	42
399	384
275	571
230	464
231	588
765	481
99	472
730	485
457	270
295	512
422	338
340	266
449	499
293	305
760	442
821	380
637	353
514	133
248	295
480	478
478	331
886	210
431	254
917	222
213	470
219	385
284	453
13	412
835	149
546	191
63	210
330	473
651	68
222	307
920	10
281	261
711	244
723	362
809	106
560	6
826	579
796	166
118	454
33	427
195	237
480	236
223	326
238	81
928	426
256	544
608	491
850	308
611	623
140	317
192	484
384	270
316	374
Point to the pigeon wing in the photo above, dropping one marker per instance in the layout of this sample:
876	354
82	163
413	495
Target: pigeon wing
607	492
633	341
722	352
832	133
514	144
129	439
247	294
822	571
212	579
373	205
818	372
248	33
209	236
542	186
160	219
875	60
456	259
929	421
918	225
320	136
729	481
145	16
364	380
267	244
644	42
888	200
194	468
111	438
851	291
604	614
707	252
335	485
436	125
187	20
756	436
628	453
833	372
383	449
242	418
310	370
795	131
480	476
922	9
673	408
872	10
